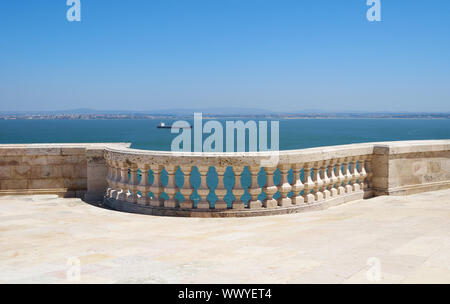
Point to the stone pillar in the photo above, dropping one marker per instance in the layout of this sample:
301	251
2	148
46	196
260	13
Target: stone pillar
109	178
285	187
309	184
115	180
96	171
123	194
171	188
220	190
187	188
270	189
318	183
133	182
341	177
144	186
203	190
362	171
347	175
156	188
255	190
333	178
238	191
325	179
297	185
355	175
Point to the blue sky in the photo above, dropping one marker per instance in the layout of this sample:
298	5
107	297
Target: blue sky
285	55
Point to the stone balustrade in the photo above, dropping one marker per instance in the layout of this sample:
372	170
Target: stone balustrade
307	179
224	184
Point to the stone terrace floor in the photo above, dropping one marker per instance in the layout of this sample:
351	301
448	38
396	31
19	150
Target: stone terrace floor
408	236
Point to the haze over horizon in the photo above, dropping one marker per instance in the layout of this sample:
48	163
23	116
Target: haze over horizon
277	56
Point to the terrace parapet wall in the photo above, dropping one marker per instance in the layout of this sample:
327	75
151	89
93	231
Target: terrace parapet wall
68	170
308	179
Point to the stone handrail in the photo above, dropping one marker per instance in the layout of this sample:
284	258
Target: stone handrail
321	177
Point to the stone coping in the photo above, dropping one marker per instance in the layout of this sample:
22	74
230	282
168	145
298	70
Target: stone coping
125	154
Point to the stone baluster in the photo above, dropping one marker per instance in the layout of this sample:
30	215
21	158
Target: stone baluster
333	178
109	178
297	185
187	188
347	175
220	190
362	172
133	182
171	188
341	177
115	181
123	193
270	189
309	184
255	190
285	187
156	188
318	183
355	174
203	190
144	186
325	179
238	191
368	167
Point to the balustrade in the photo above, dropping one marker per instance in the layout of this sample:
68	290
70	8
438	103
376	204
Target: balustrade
323	179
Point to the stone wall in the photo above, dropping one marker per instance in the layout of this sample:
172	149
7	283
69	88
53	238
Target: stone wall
402	168
69	170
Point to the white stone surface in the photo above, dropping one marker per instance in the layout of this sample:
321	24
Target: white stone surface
408	235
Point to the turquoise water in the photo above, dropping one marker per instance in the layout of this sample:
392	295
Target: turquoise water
294	134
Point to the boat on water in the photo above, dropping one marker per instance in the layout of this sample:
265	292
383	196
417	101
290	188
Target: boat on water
162	125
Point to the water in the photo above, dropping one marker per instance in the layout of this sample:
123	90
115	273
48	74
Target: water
294	133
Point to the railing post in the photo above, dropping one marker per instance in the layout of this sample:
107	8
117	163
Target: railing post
171	188
341	177
203	190
333	178
255	190
115	181
285	187
238	191
309	184
109	178
325	179
318	183
122	195
144	186
297	185
156	188
220	190
362	172
132	196
355	175
270	189
347	175
187	188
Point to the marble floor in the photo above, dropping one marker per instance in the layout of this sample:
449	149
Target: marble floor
46	239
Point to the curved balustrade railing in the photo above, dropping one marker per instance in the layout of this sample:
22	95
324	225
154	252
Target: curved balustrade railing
308	178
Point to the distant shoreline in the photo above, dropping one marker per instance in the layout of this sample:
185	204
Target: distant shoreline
247	117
